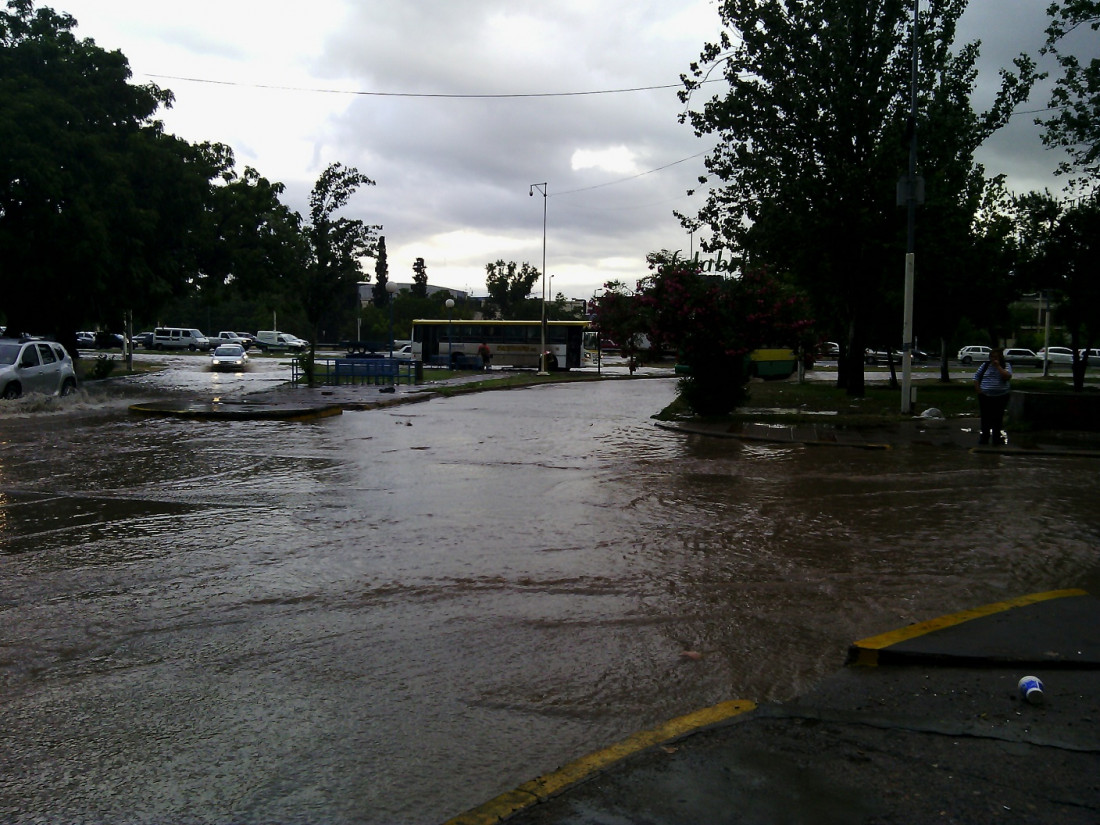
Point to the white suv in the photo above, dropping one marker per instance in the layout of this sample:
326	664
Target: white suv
34	366
968	355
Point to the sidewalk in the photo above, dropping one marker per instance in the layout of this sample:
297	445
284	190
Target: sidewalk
925	724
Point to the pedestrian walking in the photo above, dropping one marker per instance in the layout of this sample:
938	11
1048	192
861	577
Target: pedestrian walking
486	356
991	382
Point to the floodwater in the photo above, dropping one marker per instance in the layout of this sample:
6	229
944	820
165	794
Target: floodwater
392	616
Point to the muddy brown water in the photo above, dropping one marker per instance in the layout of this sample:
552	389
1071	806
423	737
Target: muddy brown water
391	616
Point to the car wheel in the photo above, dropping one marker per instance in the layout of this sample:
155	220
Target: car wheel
69	387
12	390
966	360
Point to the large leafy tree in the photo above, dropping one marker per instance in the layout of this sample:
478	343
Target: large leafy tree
248	239
330	275
98	205
813	134
1075	125
509	286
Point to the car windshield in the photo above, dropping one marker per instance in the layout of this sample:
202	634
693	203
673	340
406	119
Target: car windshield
8	353
229	351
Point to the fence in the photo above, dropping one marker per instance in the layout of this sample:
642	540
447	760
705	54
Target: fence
342	371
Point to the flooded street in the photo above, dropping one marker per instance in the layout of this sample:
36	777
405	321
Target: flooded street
391	616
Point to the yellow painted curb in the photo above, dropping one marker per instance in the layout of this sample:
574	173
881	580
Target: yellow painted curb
865	652
539	789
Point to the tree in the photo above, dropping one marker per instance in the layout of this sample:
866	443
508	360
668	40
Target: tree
508	287
381	276
329	285
1059	247
620	320
1075	125
710	320
813	134
97	203
249	239
420	279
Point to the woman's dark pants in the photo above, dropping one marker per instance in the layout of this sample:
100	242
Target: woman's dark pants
992	408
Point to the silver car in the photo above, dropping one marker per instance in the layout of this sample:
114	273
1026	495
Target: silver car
34	366
970	355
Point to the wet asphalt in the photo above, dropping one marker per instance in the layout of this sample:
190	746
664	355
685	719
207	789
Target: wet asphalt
924	724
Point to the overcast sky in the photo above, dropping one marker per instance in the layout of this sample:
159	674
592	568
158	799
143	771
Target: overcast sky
398	89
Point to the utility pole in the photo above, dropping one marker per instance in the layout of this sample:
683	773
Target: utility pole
914	193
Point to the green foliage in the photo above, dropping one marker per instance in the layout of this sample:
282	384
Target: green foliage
103	367
96	201
420	279
712	321
1075	99
1059	246
508	287
329	285
813	134
381	275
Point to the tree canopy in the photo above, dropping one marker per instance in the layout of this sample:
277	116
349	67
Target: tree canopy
1075	98
329	289
99	205
96	201
509	286
813	134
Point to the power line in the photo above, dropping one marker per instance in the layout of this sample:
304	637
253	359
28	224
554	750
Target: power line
359	93
631	177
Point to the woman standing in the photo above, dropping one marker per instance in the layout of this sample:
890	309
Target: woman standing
991	382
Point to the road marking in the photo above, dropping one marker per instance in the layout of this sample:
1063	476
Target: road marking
542	788
865	652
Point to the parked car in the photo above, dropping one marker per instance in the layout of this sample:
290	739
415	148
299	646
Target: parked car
230	338
85	340
179	338
110	340
1055	355
968	355
1020	357
1093	354
230	357
34	366
275	341
144	339
827	349
871	356
405	352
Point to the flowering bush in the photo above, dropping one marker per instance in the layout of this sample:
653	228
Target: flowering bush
712	321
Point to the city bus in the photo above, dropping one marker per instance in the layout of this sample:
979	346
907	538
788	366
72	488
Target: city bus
512	343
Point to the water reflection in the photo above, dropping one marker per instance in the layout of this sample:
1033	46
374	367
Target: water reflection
391	616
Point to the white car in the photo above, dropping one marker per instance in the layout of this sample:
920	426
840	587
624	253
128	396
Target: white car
229	357
34	366
970	355
1056	355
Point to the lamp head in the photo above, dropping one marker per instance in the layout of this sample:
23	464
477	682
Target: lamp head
391	287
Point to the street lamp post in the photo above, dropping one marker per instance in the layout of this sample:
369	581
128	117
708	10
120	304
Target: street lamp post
450	304
391	289
542	346
913	195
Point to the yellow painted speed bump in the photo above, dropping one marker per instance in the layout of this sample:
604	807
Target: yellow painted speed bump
500	808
